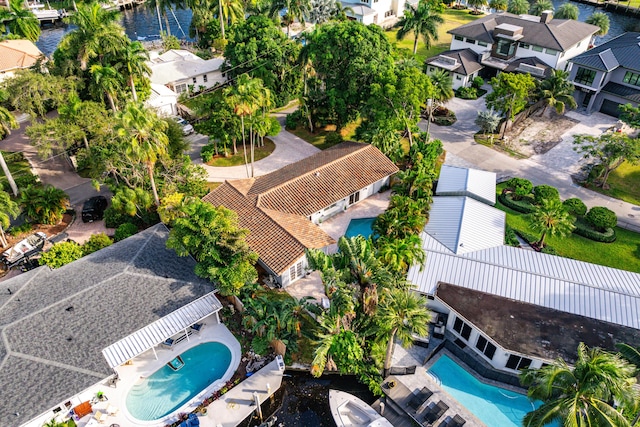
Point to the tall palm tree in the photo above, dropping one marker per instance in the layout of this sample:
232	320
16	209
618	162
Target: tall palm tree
8	209
599	19
296	9
552	218
581	395
402	314
20	20
144	133
133	59
476	4
400	254
106	80
518	7
499	5
422	21
631	354
7	122
161	7
229	12
442	86
567	11
557	92
540	6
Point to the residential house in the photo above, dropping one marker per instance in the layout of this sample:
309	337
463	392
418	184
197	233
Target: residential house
504	42
68	329
17	55
608	75
384	13
163	100
181	71
282	209
513	308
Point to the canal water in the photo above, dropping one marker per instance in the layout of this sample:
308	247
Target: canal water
141	23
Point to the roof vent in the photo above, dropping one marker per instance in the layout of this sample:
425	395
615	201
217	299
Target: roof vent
546	16
317	174
69	309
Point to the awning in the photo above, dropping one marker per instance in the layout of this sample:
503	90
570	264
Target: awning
158	331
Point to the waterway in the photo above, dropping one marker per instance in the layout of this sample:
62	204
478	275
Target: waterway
141	23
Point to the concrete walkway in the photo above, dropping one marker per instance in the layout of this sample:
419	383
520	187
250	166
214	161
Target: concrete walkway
553	168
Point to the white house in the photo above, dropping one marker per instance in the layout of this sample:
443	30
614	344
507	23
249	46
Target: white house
512	43
381	12
163	100
515	308
282	209
17	55
181	70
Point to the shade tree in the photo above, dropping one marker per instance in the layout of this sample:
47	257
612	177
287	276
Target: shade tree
511	93
608	151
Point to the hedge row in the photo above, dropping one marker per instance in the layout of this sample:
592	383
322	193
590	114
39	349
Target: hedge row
585	230
522	206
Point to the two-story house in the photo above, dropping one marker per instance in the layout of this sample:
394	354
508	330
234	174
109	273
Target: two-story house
381	12
181	71
504	42
608	75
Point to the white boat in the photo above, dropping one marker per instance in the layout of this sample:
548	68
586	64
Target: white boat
349	411
44	14
24	249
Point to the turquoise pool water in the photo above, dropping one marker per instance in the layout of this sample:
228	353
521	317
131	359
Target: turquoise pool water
360	226
494	406
166	390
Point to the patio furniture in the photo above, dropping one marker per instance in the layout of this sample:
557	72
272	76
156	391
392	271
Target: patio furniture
438	331
419	399
457	421
82	409
100	416
169	342
112	410
433	412
197	327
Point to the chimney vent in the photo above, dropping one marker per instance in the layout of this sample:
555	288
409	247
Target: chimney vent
546	16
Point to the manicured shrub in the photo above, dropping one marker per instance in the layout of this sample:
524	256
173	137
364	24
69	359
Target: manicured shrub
333	138
520	187
601	218
207	152
575	206
545	192
585	229
95	243
467	93
61	254
113	218
477	82
523	205
510	237
274	127
293	120
125	230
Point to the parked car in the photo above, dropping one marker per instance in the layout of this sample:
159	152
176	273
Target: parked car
21	251
187	129
93	208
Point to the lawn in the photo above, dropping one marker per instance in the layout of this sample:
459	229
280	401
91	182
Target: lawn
317	138
238	159
624	253
624	183
452	18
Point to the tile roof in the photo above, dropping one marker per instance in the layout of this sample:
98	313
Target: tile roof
56	322
558	34
466	58
15	54
624	50
275	207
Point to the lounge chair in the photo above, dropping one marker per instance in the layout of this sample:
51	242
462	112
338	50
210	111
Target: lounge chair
196	327
446	422
419	399
434	412
169	342
457	421
100	416
112	410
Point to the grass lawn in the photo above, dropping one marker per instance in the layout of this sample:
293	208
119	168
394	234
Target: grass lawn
452	18
624	183
624	253
317	138
238	159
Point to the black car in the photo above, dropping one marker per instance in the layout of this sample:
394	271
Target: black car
93	208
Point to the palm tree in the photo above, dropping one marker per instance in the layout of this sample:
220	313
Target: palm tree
8	209
20	21
144	132
557	92
296	9
402	314
422	21
581	395
567	11
599	19
442	86
400	254
540	6
552	218
44	205
134	59
229	11
631	354
341	10
518	7
106	80
161	7
476	4
499	5
7	122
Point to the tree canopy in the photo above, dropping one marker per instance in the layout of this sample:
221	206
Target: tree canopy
511	93
609	151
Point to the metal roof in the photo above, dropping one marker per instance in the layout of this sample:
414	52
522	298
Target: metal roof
455	181
163	328
463	224
577	287
625	49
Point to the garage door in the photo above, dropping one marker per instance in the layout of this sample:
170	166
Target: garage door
610	108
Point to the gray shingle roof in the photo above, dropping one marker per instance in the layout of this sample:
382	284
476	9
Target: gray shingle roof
559	34
515	66
53	351
628	92
467	59
625	50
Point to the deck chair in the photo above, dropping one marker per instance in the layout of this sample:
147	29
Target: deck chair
100	416
419	399
436	411
457	421
112	410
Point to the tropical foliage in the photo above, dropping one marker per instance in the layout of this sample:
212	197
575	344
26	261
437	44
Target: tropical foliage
19	21
44	205
608	151
551	218
61	254
599	19
557	92
8	209
567	11
421	20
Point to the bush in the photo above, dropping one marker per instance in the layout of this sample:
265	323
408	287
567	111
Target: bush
207	152
114	219
601	218
467	92
61	254
95	243
521	187
333	138
545	192
22	181
477	82
522	206
584	229
293	120
23	228
446	119
575	206
125	230
549	250
510	237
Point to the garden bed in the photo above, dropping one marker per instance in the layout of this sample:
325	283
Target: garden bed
538	134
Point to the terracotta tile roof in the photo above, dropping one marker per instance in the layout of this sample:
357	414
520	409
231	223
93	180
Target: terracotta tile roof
275	207
16	54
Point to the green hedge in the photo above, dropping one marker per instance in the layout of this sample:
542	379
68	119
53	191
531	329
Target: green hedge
510	237
522	206
586	230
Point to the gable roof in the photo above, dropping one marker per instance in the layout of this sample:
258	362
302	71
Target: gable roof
276	207
558	34
521	65
16	54
56	322
467	61
176	65
475	183
622	51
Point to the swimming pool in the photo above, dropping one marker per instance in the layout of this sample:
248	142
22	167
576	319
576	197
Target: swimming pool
360	226
494	406
166	390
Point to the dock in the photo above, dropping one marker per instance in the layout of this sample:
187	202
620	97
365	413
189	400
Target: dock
613	6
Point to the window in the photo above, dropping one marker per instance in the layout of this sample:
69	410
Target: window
536	48
431	69
181	88
505	47
632	78
195	80
471	41
525	45
459	38
483	44
458	78
204	78
584	76
462	328
517	363
551	51
354	198
295	271
486	347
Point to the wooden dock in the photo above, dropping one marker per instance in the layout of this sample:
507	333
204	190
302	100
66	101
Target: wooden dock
613	6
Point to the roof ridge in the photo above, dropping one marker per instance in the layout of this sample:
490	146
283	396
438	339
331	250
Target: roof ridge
56	364
548	27
264	211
